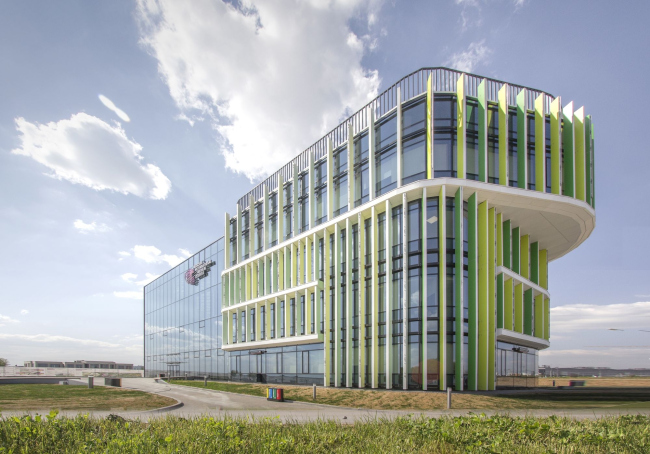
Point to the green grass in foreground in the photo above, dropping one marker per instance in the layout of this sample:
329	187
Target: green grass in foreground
46	397
619	398
476	433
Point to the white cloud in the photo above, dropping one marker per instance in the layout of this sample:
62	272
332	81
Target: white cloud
148	278
5	319
590	316
151	254
24	312
124	253
119	112
273	76
134	295
84	227
476	54
129	277
86	150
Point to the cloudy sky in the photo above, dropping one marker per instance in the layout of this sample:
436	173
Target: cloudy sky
128	128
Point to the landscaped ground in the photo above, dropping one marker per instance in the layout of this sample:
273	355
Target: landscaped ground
61	397
417	400
472	433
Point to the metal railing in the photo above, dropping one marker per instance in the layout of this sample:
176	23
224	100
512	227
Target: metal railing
412	85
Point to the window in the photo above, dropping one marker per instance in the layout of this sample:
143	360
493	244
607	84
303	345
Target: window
414	147
531	151
471	141
282	319
513	162
386	155
340	181
252	324
303	201
273	321
493	144
361	173
444	137
273	219
288	211
243	326
320	192
263	323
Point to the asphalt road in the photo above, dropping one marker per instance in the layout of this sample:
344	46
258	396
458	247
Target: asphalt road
202	402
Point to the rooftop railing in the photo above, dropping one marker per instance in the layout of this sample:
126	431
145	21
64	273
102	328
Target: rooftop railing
412	85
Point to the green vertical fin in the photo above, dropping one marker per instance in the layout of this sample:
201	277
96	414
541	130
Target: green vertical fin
534	262
516	258
507	244
528	312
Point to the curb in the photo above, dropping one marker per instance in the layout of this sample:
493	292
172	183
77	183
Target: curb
175	406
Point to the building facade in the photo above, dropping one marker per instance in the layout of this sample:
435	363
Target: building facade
408	248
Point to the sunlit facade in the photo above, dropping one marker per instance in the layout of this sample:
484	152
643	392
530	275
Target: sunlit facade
408	248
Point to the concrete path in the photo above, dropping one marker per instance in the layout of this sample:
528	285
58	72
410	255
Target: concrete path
202	402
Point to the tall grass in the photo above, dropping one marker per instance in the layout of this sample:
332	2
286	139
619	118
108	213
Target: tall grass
475	433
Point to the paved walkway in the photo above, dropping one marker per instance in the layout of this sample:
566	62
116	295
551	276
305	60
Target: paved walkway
202	402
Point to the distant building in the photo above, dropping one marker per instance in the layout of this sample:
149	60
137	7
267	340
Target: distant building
548	371
80	364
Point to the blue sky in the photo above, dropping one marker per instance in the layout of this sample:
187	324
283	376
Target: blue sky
202	98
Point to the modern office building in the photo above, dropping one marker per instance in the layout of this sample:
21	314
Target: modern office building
408	248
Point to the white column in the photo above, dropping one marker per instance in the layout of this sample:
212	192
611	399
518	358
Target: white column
400	161
405	293
371	153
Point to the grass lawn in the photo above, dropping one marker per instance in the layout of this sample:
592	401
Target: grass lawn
60	397
473	433
419	400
